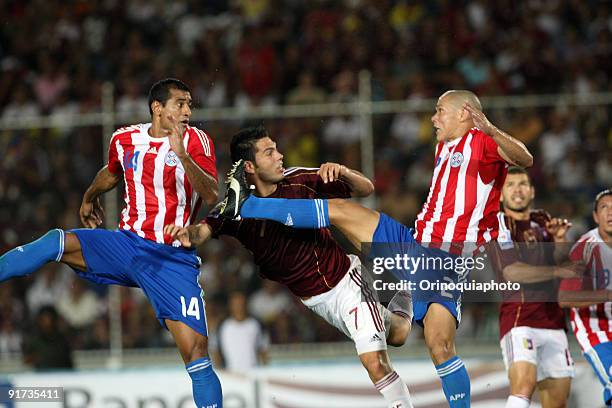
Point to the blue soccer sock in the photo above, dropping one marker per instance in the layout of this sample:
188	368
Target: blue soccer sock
28	258
297	213
455	382
206	385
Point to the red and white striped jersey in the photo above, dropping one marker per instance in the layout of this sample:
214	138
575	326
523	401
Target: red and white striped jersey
157	190
592	324
463	199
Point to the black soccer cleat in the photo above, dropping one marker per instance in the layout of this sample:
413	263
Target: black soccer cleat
236	193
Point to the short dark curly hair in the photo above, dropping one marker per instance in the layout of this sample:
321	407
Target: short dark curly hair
243	142
160	91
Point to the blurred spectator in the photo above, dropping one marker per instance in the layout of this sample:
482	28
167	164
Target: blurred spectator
47	345
99	336
50	83
603	170
306	91
21	104
240	341
10	338
79	306
557	141
132	102
269	301
474	68
342	130
61	111
50	284
11	306
256	61
571	172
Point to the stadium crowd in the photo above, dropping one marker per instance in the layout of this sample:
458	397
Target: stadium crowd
256	53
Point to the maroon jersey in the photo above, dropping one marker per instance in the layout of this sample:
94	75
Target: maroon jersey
308	261
518	307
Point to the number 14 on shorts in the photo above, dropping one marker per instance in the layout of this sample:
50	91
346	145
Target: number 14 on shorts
192	310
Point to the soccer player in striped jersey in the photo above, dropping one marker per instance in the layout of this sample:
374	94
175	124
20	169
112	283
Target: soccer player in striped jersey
590	296
310	262
531	323
471	161
168	168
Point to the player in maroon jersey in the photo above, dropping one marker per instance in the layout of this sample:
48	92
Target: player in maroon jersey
310	262
532	327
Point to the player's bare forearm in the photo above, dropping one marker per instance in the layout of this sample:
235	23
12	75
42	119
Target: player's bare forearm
190	236
103	182
203	183
583	298
200	233
524	273
360	185
511	149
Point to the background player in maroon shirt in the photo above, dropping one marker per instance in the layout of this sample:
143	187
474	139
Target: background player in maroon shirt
531	327
310	262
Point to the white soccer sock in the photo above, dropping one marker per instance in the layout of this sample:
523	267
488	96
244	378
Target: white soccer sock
401	304
518	401
394	390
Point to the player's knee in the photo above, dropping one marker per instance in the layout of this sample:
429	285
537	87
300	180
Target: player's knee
524	387
196	350
399	331
375	364
440	348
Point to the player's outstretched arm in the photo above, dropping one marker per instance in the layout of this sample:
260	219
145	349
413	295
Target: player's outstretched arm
511	149
91	211
203	183
524	273
583	298
190	236
360	185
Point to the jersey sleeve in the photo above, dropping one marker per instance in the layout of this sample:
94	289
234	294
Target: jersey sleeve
201	148
578	251
310	179
220	226
114	163
573	284
335	189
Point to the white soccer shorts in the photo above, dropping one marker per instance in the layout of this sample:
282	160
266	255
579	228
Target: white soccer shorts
547	349
344	308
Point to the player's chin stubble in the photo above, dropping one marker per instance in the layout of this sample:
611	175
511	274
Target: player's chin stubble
518	209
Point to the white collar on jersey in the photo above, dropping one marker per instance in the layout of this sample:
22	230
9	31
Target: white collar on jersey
456	141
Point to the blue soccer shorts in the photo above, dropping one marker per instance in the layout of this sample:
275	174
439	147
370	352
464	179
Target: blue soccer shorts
391	239
168	275
600	359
